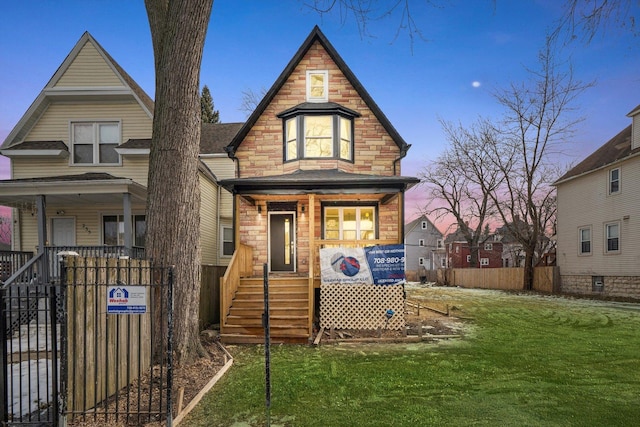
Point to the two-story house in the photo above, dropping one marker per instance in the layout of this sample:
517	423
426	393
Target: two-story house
317	165
422	241
79	163
598	225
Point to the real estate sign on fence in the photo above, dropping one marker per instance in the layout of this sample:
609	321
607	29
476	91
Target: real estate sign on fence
378	265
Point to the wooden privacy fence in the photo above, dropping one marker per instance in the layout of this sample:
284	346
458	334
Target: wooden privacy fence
545	279
210	295
117	366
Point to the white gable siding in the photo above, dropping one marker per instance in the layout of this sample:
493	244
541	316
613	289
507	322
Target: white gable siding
208	221
89	69
585	201
223	168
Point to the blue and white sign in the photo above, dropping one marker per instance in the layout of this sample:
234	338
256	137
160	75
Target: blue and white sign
380	265
125	299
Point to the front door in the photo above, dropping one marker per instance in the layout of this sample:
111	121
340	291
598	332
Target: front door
281	242
63	232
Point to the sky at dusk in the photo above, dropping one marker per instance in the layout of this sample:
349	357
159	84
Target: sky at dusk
472	49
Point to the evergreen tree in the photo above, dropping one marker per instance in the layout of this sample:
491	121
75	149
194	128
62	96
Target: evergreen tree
209	115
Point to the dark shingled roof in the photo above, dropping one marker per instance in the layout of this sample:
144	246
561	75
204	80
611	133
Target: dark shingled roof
213	138
318	179
89	176
616	149
216	136
40	145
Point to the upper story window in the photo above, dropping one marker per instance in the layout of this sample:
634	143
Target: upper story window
439	244
350	223
421	242
318	131
424	225
614	181
612	235
584	235
95	143
488	246
484	261
317	86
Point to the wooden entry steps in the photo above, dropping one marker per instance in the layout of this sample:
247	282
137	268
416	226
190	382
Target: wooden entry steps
288	311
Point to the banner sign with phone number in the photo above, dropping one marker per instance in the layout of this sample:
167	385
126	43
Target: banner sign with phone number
380	265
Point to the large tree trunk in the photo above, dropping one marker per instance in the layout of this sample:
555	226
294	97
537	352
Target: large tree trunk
178	31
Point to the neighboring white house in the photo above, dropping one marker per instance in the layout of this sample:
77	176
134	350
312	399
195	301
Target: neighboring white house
598	227
422	240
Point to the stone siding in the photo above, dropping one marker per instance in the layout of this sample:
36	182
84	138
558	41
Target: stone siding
614	286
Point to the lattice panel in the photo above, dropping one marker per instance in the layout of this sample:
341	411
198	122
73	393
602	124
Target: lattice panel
361	306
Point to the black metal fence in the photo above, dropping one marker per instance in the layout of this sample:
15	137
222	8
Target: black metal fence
11	261
102	354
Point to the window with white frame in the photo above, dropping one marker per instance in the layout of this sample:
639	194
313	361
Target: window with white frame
424	225
439	243
421	261
488	246
443	262
484	261
113	230
421	242
468	258
457	249
349	223
584	240
226	245
317	85
614	181
95	143
612	237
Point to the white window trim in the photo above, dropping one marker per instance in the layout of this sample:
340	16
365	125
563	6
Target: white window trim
222	241
358	230
421	243
421	261
606	238
325	98
468	258
610	181
424	225
488	246
96	144
580	241
484	261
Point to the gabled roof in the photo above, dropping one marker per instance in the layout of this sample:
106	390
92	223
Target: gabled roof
129	88
408	228
317	36
617	148
214	137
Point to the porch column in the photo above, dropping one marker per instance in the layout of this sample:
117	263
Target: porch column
42	222
128	228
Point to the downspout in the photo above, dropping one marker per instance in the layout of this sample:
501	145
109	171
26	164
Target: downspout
231	152
403	153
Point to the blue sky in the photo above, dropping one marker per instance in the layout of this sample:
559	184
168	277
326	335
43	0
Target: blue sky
249	42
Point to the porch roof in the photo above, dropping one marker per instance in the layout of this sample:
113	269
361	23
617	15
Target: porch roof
332	181
69	190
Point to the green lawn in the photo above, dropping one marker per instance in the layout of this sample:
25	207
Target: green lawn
524	361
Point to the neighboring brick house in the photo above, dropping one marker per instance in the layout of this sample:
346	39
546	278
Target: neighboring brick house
459	253
318	164
422	240
598	220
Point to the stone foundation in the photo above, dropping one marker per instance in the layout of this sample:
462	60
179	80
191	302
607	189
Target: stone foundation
612	286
